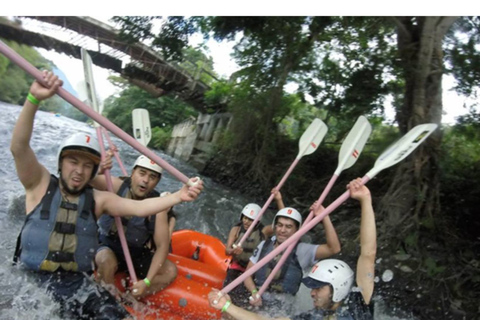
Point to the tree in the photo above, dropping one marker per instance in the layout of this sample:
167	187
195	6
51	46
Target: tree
416	181
15	83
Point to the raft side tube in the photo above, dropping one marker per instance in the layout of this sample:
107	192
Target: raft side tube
185	297
211	250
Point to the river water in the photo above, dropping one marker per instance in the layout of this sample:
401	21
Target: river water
214	212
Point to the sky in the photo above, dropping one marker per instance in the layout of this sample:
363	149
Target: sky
224	66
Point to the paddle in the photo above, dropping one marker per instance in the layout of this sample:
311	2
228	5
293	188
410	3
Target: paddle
350	150
92	99
141	126
37	74
394	154
308	143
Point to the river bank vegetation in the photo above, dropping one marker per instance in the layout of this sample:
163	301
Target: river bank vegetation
428	227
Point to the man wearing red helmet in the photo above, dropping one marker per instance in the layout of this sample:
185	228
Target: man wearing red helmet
286	282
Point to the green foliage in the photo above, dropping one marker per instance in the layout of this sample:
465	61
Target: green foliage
160	138
219	93
460	167
14	82
463	54
165	112
432	268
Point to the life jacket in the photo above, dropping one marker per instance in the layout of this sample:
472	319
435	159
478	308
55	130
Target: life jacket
59	233
138	230
249	245
289	277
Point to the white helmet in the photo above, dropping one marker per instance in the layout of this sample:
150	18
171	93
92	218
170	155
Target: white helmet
83	144
251	211
288	213
334	272
146	163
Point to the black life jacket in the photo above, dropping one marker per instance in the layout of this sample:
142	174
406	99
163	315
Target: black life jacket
289	277
138	230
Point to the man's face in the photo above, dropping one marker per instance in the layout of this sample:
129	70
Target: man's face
284	229
143	181
322	297
76	172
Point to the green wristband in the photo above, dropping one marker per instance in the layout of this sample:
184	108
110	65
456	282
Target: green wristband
226	305
254	291
147	282
32	99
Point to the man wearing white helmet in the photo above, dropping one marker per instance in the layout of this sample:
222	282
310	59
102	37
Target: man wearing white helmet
286	282
241	255
331	280
148	238
58	240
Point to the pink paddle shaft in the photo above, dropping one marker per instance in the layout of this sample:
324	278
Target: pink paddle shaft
292	246
37	74
118	220
265	206
115	152
291	240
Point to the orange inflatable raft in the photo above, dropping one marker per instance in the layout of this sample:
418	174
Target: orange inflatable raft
186	297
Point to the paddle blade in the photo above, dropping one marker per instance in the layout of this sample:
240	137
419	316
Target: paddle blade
402	148
142	131
312	137
353	144
89	82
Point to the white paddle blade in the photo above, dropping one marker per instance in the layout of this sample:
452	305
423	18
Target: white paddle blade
402	148
142	131
89	82
312	137
353	144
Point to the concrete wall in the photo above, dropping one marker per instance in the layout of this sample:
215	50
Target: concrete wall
193	139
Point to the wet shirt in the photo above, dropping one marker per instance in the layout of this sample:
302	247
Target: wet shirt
305	254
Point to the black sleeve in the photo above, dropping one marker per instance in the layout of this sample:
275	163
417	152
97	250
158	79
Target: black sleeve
358	308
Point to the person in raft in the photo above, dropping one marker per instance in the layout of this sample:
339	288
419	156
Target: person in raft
58	240
286	282
331	280
241	255
148	238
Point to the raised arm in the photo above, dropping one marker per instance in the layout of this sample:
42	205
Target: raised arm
278	198
368	239
33	176
333	243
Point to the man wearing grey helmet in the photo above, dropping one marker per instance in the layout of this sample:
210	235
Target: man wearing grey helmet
331	280
58	240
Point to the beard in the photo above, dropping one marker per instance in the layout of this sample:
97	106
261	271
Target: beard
70	191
